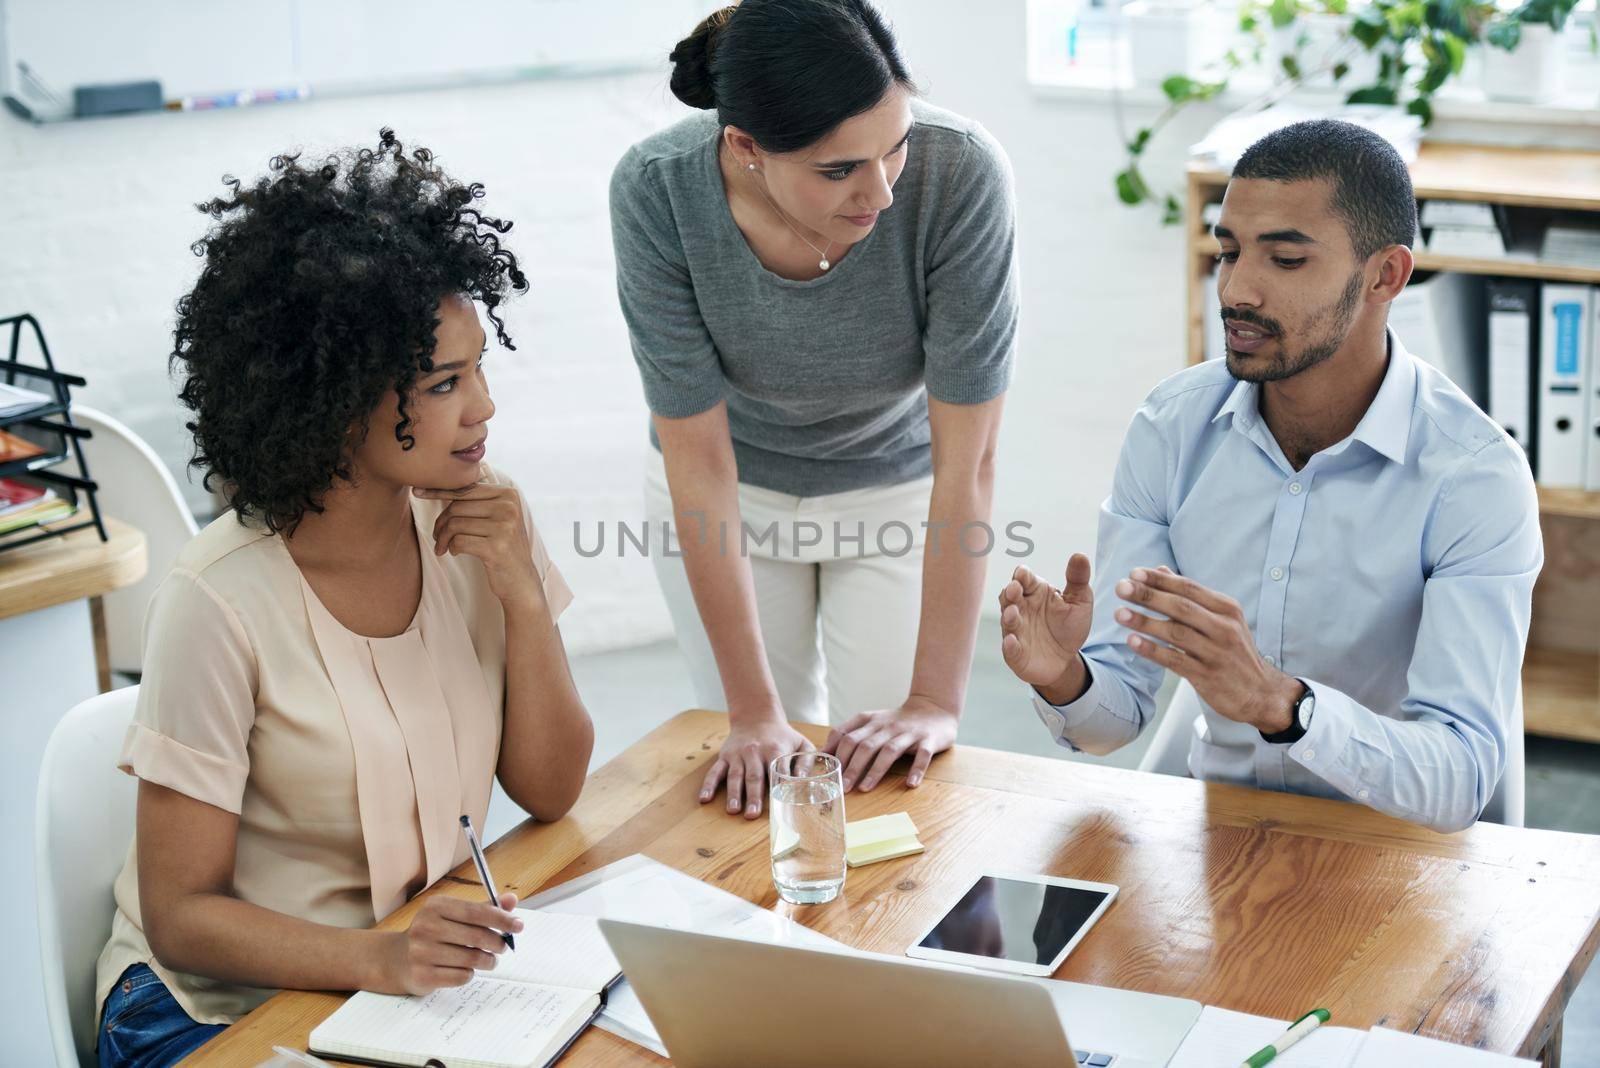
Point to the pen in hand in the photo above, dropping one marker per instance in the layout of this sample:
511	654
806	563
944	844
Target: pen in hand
482	865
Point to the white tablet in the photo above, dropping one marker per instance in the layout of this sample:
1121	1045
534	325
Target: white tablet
1016	923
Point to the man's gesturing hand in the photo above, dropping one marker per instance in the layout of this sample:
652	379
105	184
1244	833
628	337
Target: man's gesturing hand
1043	628
1206	640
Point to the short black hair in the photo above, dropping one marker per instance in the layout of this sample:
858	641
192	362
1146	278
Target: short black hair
788	72
1371	187
319	294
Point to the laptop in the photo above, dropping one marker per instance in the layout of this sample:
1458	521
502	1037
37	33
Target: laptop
725	1002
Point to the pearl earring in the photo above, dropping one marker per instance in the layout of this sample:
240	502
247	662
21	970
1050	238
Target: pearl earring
750	166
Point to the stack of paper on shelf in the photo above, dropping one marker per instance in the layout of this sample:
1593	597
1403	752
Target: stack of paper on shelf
1229	138
15	400
1463	228
15	448
24	505
880	838
1575	246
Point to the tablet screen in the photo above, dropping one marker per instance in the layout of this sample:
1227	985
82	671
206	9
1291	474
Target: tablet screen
1014	919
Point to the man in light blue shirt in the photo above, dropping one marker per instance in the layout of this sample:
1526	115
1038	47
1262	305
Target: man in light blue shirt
1321	534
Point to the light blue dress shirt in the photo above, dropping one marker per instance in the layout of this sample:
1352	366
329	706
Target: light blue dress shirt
1393	574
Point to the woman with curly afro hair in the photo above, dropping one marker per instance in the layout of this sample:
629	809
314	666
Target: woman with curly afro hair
337	670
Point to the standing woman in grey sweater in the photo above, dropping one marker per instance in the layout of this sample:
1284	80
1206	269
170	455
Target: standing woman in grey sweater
818	277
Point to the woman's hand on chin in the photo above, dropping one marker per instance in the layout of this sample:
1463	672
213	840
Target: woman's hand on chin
485	521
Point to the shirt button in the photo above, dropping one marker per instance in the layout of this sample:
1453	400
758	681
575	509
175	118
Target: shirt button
1277	574
1363	794
1270	662
1309	754
1294	487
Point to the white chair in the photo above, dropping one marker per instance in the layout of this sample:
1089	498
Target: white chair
1169	754
136	487
83	825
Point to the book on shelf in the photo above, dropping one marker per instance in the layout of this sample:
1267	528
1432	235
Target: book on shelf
524	1014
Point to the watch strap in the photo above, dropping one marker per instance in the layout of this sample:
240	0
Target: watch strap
1294	732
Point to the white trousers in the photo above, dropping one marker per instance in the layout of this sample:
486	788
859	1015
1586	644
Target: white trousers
838	615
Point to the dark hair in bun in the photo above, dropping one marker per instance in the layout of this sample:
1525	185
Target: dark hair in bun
788	72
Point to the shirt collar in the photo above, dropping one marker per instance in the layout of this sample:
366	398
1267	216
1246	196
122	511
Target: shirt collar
1385	427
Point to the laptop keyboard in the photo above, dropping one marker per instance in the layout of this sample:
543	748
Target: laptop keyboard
1094	1060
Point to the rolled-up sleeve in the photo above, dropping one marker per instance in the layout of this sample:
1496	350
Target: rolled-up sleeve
1133	533
1440	759
191	729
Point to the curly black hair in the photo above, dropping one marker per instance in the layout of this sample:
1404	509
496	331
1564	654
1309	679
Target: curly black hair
319	294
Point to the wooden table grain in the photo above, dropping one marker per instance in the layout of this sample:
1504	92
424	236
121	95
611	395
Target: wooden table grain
1261	902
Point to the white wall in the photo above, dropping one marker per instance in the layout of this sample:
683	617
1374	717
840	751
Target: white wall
96	218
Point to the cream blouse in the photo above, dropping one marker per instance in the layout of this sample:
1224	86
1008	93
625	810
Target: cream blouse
348	759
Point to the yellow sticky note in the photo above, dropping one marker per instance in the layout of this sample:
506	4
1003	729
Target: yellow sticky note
888	849
879	829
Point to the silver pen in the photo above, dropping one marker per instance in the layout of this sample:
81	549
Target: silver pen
483	873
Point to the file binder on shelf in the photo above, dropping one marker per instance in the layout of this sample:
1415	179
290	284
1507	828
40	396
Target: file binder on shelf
59	467
1513	359
1592	396
1565	352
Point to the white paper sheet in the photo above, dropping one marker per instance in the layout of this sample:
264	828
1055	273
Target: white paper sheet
1222	1037
1397	1049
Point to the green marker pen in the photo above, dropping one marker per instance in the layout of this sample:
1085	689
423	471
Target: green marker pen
1297	1030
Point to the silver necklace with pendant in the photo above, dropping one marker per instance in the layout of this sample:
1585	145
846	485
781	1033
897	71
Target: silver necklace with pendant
823	263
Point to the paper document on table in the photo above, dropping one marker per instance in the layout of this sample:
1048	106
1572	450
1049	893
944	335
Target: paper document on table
1224	1037
1397	1049
637	889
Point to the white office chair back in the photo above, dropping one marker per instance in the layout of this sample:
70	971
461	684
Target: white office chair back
136	487
84	822
1169	754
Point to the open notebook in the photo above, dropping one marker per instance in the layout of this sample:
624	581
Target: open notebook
524	1014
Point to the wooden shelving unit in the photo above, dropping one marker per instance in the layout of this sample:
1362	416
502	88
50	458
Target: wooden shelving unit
1561	676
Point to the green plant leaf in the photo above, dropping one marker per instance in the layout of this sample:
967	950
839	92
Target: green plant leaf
1178	88
1373	94
1505	33
1282	12
1140	139
1340	70
1369	28
1291	67
1171	212
1131	188
1422	108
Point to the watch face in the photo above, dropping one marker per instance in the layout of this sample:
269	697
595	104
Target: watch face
1307	705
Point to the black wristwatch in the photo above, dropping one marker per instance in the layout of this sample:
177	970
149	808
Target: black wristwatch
1299	719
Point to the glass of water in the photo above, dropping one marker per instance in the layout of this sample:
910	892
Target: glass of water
807	824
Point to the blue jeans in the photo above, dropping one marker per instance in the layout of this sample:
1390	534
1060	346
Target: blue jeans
144	1026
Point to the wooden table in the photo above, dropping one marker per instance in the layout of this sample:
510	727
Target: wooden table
1260	902
72	567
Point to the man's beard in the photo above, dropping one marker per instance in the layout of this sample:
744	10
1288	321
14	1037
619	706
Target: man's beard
1247	368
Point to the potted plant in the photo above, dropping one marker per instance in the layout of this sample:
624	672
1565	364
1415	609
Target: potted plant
1164	36
1411	48
1526	57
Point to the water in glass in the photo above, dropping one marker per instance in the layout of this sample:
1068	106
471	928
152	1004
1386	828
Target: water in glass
807	827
